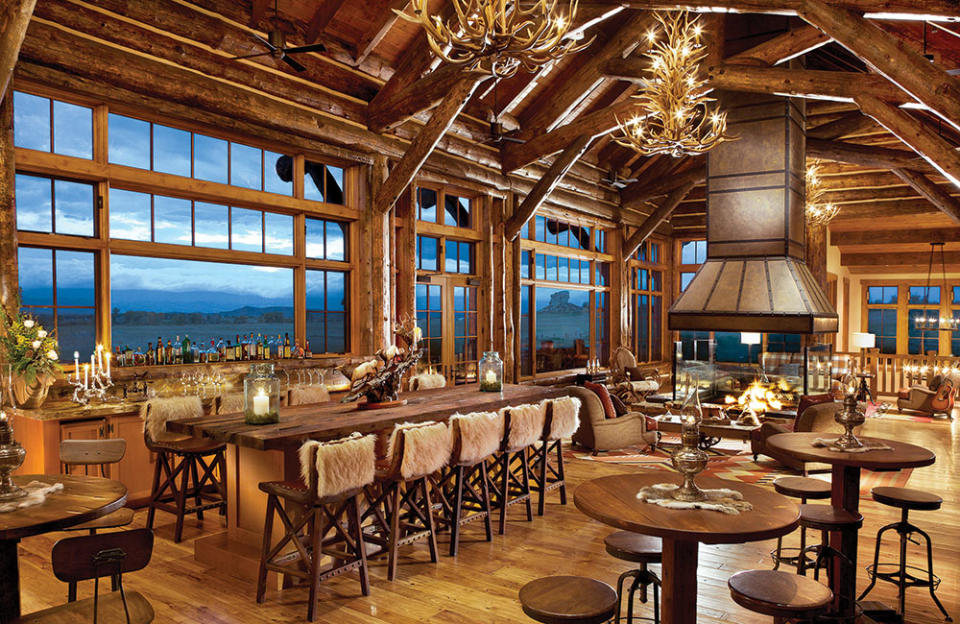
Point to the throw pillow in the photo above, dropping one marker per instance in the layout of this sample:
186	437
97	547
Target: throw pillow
808	400
604	395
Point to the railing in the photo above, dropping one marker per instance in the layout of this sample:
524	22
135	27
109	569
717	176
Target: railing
893	372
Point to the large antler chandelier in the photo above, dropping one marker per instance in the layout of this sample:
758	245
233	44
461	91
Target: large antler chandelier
500	36
818	211
674	116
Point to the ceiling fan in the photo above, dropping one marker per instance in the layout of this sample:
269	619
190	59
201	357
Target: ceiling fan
614	180
497	135
276	41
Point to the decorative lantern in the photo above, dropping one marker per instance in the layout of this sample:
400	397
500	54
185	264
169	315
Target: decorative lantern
491	372
11	458
261	395
689	459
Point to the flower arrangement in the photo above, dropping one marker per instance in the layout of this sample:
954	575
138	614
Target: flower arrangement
31	351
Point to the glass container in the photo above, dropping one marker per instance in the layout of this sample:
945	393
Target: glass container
261	395
491	372
689	459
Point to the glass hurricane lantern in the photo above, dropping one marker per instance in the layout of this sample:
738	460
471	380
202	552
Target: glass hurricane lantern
491	372
261	395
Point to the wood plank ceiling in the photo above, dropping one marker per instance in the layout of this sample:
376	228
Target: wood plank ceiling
377	89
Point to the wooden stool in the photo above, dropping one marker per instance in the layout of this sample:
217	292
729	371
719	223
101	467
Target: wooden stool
568	600
905	499
327	502
826	518
510	470
464	485
94	557
804	488
101	453
640	549
561	419
783	595
399	502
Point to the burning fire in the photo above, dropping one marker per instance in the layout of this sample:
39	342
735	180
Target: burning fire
760	398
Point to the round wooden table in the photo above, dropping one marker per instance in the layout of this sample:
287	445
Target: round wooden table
82	499
845	486
613	500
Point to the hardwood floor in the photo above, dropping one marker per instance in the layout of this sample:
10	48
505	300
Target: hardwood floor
481	583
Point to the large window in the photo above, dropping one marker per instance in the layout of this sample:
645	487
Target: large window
563	328
457	210
141	259
430	320
647	294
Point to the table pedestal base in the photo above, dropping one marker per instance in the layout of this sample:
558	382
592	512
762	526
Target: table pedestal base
679	589
10	588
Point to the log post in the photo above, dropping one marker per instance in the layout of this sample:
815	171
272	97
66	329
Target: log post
14	18
9	280
406	251
620	308
375	268
816	253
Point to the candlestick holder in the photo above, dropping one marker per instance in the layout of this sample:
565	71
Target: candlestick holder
11	458
92	386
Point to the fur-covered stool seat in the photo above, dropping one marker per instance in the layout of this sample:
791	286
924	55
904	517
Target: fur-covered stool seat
189	476
561	421
400	504
510	469
306	395
321	516
464	486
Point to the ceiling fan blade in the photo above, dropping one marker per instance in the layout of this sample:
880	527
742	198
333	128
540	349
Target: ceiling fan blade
264	41
512	140
292	63
314	47
248	56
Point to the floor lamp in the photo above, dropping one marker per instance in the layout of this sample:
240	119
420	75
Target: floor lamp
863	341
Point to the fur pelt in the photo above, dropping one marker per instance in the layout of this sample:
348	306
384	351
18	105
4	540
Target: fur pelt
427	381
566	417
304	395
525	424
157	412
476	436
345	464
426	448
307	454
230	403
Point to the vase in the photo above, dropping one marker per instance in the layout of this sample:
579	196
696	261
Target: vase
31	396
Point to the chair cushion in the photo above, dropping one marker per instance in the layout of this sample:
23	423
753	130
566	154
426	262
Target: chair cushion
604	395
903	393
812	399
651	422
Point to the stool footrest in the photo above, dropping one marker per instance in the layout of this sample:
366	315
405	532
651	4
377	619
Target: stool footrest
911	580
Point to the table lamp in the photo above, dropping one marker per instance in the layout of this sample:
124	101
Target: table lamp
749	339
863	341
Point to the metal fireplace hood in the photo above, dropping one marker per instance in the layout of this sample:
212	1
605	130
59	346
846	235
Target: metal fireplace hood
755	278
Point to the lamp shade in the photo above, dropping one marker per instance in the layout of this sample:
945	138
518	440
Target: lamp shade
863	340
750	338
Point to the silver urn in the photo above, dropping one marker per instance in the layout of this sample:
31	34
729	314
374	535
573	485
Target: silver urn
11	458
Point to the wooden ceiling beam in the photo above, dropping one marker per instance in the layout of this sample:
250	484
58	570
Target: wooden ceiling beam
884	209
661	214
917	135
936	195
258	10
899	236
804	83
639	192
517	155
903	65
848	124
918	258
14	19
564	95
932	10
863	155
782	47
419	150
545	185
322	17
385	114
860	195
382	20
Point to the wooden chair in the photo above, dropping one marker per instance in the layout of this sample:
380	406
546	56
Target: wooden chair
568	600
97	453
510	469
561	421
785	596
187	469
320	516
93	557
464	485
400	505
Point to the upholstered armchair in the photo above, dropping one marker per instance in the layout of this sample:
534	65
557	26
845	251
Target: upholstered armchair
629	382
937	397
814	413
599	433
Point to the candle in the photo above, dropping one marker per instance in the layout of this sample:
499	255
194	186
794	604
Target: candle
108	365
86	376
490	377
3	417
261	403
76	364
100	357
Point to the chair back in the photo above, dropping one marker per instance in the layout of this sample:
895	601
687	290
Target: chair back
562	417
307	395
523	426
332	469
88	453
475	436
620	361
416	450
230	403
427	381
156	413
104	554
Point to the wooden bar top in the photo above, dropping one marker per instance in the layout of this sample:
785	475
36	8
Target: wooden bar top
327	421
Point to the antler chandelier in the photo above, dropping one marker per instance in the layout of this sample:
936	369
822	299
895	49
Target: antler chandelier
499	36
674	115
818	211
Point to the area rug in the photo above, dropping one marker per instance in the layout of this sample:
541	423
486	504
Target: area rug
737	467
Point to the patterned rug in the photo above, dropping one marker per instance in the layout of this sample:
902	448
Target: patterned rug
737	465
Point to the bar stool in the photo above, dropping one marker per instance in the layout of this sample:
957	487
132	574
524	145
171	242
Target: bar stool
826	518
905	499
641	549
804	488
326	501
399	501
464	484
568	600
783	595
510	471
199	464
561	420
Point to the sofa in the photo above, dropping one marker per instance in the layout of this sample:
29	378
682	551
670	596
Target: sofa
599	433
937	397
814	413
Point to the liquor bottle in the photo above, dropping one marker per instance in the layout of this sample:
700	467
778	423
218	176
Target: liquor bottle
286	347
158	353
297	351
213	355
177	351
150	354
238	350
246	347
265	347
221	351
128	356
258	346
231	354
307	352
187	352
